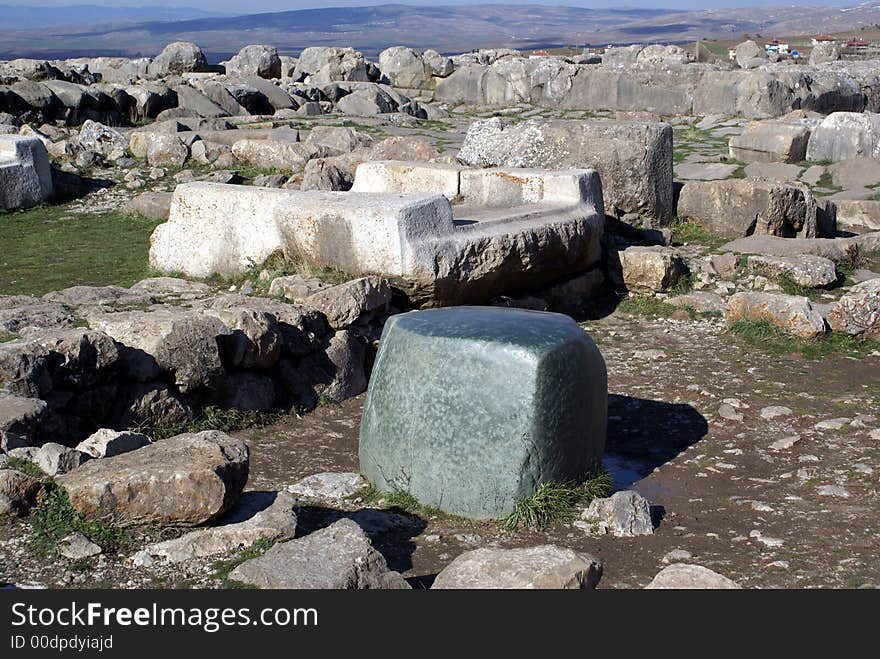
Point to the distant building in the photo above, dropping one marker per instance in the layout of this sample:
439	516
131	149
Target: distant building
777	47
539	53
822	38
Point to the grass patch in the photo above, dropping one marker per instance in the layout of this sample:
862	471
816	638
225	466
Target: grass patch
54	519
646	306
223	568
687	231
25	467
48	248
8	336
401	500
770	338
556	502
684	285
213	418
790	287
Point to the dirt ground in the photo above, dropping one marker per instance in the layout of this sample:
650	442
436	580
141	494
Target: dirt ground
738	505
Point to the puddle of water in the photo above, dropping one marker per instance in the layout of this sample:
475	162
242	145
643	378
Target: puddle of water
624	471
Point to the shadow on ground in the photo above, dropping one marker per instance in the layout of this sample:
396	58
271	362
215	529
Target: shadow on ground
645	434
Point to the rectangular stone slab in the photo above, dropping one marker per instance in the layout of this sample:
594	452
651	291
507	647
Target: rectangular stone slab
469	409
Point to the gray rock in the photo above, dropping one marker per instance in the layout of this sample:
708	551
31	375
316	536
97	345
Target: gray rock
545	421
790	313
54	459
246	391
544	567
328	486
345	304
19	419
106	443
177	58
148	404
25	174
339	557
805	269
109	143
845	135
181	342
324	64
257	516
76	547
680	576
151	205
633	159
295	287
771	141
742	207
404	147
839	250
192	102
405	68
184	480
324	174
255	60
824	51
857	313
338	139
750	55
624	514
367	102
649	269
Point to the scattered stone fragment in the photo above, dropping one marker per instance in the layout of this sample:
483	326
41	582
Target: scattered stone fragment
677	555
256	516
624	514
331	486
832	491
543	567
338	557
76	547
785	443
686	576
105	443
775	411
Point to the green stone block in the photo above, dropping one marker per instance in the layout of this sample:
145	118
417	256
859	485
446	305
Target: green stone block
469	409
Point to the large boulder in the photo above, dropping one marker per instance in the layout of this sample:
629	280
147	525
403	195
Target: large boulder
158	149
181	481
771	141
845	135
633	159
544	421
736	208
790	313
404	68
183	343
178	58
273	154
824	51
338	557
100	139
19	420
805	269
750	55
25	174
545	567
325	64
255	60
858	312
344	304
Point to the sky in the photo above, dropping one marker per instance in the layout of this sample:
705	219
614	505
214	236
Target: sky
255	6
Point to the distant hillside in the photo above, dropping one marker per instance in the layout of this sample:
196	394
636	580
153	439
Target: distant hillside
18	17
453	28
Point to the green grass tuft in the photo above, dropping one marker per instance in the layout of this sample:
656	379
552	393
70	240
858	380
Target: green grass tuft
223	568
790	287
25	467
556	502
687	231
770	338
646	306
213	418
55	518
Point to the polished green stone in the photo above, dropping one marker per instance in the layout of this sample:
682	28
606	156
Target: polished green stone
469	409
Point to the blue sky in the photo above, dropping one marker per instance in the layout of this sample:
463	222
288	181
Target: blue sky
254	6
